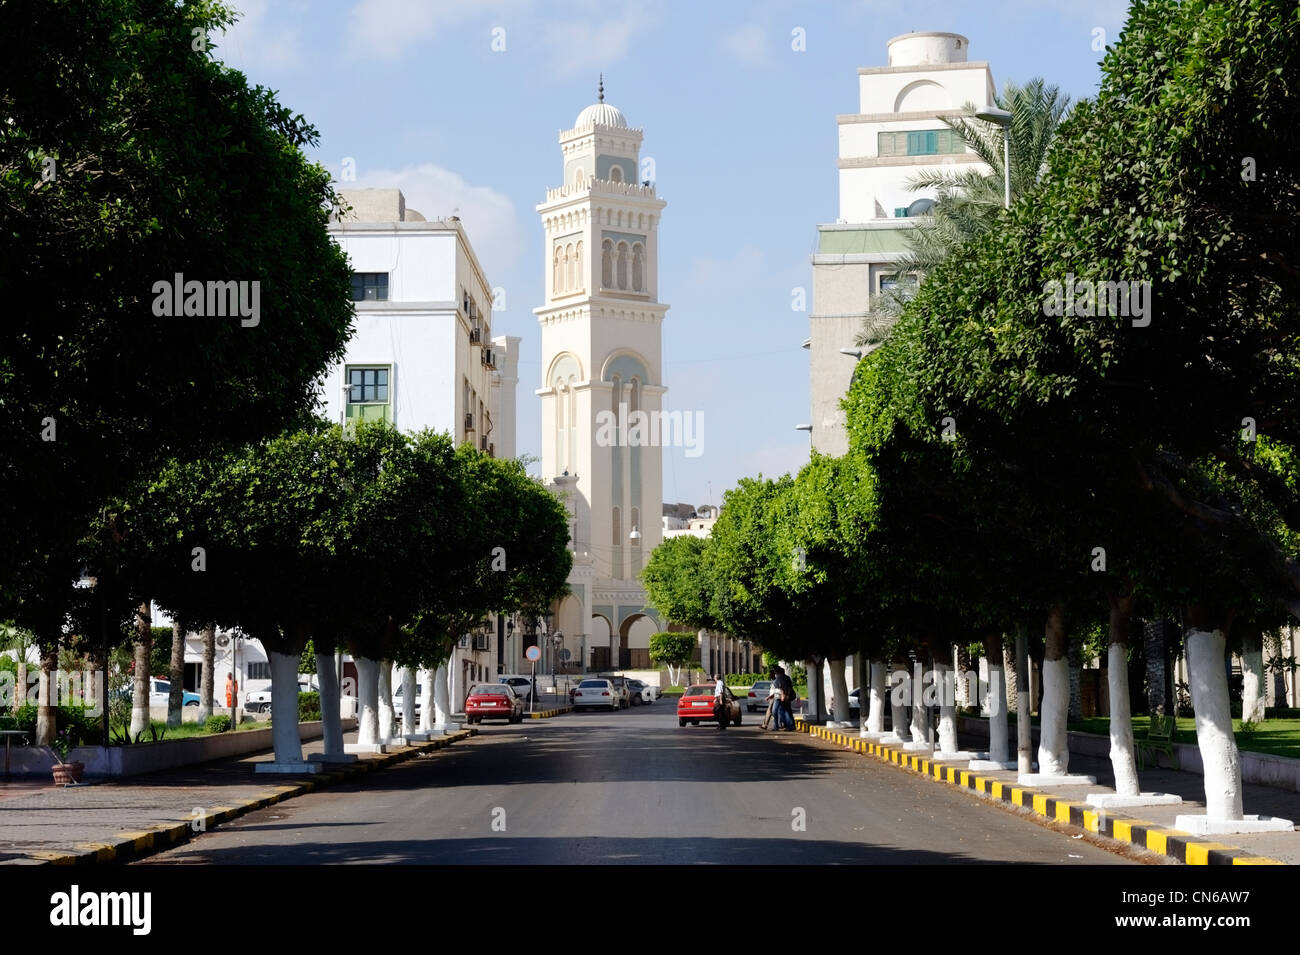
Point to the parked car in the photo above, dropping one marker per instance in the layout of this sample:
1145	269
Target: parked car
757	698
696	704
259	701
522	685
596	693
160	693
495	701
624	694
641	692
398	699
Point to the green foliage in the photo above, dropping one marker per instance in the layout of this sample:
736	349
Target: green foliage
308	707
217	723
671	649
744	679
679	583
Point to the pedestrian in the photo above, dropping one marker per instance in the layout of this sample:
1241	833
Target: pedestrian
785	708
232	687
720	694
773	698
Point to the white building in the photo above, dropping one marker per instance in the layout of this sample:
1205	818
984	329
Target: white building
601	361
896	134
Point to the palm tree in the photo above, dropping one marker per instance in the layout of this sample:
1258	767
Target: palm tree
969	200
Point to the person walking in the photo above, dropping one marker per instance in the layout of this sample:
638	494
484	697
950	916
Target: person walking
785	708
720	695
773	698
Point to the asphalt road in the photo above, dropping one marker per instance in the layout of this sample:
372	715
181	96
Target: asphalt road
634	787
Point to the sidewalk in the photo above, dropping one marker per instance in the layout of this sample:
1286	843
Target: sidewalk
1151	827
115	820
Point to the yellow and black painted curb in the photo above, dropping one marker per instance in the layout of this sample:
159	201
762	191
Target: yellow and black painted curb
1172	843
128	846
547	714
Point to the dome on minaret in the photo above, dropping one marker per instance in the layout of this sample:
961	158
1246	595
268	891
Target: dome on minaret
600	113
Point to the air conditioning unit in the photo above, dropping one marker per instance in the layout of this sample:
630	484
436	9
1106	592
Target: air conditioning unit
483	443
476	336
469	421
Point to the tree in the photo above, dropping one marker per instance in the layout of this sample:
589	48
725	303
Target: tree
672	650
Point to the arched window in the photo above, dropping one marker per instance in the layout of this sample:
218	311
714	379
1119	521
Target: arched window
615	173
607	264
638	268
570	268
582	276
622	265
557	279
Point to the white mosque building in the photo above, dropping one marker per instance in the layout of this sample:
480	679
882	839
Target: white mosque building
601	360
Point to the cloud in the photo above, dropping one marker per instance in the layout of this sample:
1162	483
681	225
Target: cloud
388	29
254	46
748	44
594	40
488	216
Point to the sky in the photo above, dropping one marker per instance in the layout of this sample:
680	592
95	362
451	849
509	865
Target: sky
459	104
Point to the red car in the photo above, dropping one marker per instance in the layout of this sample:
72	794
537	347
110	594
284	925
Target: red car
495	701
696	704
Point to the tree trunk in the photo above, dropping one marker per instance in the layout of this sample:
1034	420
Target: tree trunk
284	706
963	667
1153	649
839	691
208	678
996	700
1122	760
874	712
1024	728
385	688
1209	682
367	701
20	686
408	699
813	668
330	705
946	693
47	713
1010	665
441	694
900	698
1252	675
1076	679
920	712
176	698
1053	744
140	684
427	679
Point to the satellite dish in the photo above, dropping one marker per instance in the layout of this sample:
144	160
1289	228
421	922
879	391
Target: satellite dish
223	640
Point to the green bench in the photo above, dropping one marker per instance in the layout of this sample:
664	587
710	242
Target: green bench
1159	739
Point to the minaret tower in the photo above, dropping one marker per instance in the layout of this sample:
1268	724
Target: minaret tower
602	353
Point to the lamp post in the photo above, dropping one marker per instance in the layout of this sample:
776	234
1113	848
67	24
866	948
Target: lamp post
991	114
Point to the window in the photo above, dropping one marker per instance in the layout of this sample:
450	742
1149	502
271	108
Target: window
370	286
607	264
906	283
920	142
367	385
615	173
638	268
257	671
622	265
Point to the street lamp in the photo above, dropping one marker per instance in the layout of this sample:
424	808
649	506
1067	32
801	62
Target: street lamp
991	114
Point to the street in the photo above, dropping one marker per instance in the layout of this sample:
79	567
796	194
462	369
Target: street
632	786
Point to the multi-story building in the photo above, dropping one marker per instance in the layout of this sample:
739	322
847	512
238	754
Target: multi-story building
896	134
602	370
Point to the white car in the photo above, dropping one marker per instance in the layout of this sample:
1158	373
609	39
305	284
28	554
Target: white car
259	701
160	694
592	693
397	699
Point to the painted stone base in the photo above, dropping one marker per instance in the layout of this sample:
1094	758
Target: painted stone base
332	758
892	737
959	755
882	737
304	767
840	724
364	748
989	766
1113	801
418	738
916	747
1205	826
1051	779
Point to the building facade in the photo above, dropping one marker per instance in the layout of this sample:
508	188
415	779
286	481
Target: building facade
602	384
896	134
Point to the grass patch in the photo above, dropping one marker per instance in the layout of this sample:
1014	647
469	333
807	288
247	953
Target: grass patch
187	730
1273	737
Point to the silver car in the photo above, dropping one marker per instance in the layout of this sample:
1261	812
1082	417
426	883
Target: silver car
757	699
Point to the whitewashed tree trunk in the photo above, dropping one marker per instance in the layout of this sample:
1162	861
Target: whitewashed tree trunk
1209	682
839	692
367	701
1252	676
1053	744
996	699
284	706
408	699
330	704
900	698
176	699
1122	760
20	685
441	693
140	684
385	688
946	692
874	713
1024	729
426	677
920	712
46	708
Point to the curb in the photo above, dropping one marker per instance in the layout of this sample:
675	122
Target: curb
129	846
1173	844
548	714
